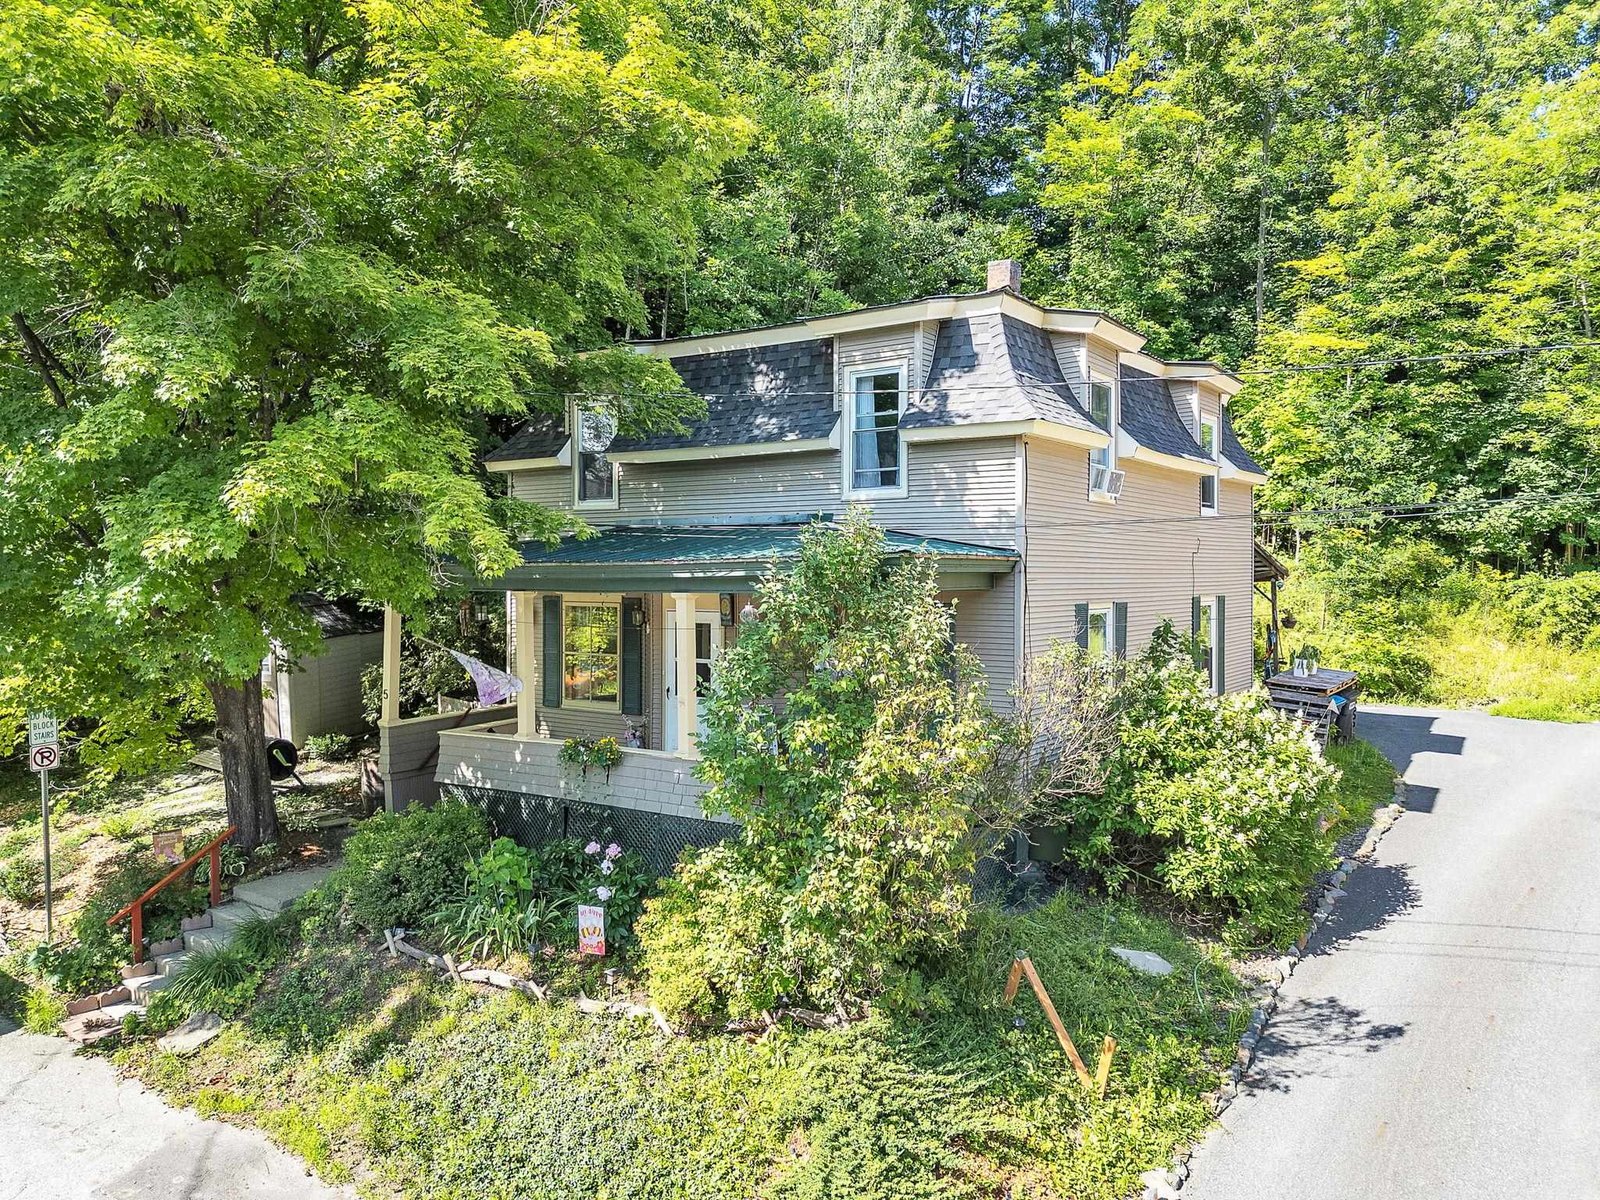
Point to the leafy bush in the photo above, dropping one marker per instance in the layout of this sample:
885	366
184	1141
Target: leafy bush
853	744
331	747
22	879
90	962
399	870
1219	799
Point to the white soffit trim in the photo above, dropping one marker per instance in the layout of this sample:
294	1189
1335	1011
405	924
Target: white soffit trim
743	450
1173	462
974	430
1232	471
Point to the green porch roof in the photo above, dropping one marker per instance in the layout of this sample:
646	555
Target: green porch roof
686	558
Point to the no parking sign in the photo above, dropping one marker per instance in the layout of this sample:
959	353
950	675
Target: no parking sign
44	758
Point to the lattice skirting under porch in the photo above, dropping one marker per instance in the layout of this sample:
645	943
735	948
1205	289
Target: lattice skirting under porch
658	838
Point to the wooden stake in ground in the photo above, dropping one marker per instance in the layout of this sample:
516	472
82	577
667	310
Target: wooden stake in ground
1023	965
1102	1077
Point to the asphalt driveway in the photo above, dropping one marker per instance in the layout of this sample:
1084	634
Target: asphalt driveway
1442	1036
71	1130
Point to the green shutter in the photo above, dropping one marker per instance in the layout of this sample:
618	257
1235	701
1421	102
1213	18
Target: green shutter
550	668
1219	652
1119	619
632	656
1194	631
1081	615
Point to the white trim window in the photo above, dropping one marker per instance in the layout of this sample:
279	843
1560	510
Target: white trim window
1102	633
1102	462
1208	481
591	655
1207	638
594	475
875	452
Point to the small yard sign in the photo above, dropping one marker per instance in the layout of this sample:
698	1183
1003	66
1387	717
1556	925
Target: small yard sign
42	729
591	929
168	845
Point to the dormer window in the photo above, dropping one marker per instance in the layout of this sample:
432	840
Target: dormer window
1105	481
1208	481
596	474
876	455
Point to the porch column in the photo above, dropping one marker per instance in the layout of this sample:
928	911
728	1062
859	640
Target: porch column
683	687
389	713
524	641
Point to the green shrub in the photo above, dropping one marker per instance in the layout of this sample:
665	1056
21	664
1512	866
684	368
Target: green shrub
399	870
331	747
89	963
1219	799
861	831
43	1011
22	880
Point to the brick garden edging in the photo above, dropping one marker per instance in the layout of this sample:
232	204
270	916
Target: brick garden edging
1163	1185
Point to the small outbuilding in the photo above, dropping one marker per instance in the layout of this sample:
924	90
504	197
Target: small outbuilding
322	693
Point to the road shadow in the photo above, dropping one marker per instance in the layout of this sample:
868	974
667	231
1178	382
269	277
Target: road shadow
1376	893
1308	1038
1401	737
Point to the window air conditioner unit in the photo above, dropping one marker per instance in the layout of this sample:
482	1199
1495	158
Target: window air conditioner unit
1106	481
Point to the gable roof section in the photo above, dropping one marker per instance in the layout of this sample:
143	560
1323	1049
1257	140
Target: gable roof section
542	437
1233	449
1151	418
339	617
756	396
992	367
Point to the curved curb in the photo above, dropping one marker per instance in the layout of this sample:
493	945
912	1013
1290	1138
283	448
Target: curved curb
1163	1185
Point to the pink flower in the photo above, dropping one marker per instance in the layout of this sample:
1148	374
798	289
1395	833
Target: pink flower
592	848
607	866
613	851
603	894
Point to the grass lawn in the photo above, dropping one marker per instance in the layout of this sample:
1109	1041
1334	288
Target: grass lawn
1366	783
380	1072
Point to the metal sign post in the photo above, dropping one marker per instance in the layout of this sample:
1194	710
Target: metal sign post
44	754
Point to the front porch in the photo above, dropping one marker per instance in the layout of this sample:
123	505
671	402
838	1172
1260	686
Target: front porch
609	641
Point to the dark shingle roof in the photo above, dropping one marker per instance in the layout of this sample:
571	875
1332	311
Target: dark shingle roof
337	618
541	437
1151	418
780	393
1233	449
994	368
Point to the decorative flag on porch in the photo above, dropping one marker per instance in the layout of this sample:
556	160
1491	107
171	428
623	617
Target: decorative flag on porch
494	685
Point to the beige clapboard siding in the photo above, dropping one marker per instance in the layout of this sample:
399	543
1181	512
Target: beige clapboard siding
987	622
894	346
1139	551
1102	359
1070	350
409	755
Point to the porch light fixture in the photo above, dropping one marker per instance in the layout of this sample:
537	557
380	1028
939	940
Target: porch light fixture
748	612
638	616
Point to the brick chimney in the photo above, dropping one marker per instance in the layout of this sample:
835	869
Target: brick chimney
1005	273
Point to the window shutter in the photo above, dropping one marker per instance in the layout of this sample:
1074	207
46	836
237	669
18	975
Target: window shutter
1194	631
632	656
1081	615
550	668
1119	618
1219	652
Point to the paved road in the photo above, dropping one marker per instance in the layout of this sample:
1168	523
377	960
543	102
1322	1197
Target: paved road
1442	1037
71	1130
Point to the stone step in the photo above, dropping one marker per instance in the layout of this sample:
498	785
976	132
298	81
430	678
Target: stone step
235	912
274	893
207	939
171	964
142	987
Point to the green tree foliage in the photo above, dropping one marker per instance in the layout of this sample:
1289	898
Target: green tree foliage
852	741
272	276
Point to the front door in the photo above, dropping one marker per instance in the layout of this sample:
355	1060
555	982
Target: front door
707	645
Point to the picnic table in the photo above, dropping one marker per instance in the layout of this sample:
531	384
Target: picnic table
1325	699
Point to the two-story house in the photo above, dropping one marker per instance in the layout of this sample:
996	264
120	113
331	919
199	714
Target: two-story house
1067	484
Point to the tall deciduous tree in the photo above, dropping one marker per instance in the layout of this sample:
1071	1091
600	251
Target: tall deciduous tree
270	274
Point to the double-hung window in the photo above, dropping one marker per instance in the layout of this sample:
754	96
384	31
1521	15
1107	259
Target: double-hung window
1208	481
596	481
591	654
1103	408
876	454
1101	637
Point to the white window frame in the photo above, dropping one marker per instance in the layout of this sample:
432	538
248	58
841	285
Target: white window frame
578	502
1208	624
1211	423
1106	455
1109	613
847	404
580	600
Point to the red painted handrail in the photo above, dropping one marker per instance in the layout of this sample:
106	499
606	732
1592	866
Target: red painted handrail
213	848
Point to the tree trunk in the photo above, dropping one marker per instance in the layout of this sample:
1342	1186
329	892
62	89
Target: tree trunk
246	784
